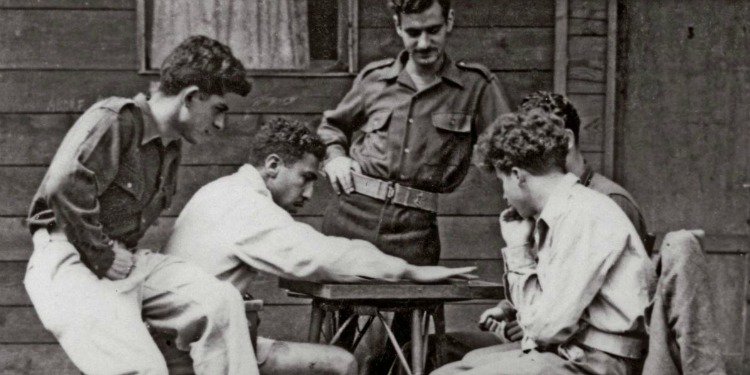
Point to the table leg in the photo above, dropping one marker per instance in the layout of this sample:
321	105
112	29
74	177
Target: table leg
417	366
440	343
394	342
316	321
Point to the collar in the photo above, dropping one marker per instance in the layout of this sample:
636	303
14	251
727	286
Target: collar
251	176
556	201
448	70
588	174
150	129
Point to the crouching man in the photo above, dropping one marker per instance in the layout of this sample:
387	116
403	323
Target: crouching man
576	270
240	224
112	176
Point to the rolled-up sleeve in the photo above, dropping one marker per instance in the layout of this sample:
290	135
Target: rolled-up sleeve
339	123
74	184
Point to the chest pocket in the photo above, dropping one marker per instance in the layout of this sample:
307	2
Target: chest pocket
121	204
375	135
451	141
452	122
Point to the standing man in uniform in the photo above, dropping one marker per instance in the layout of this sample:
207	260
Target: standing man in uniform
112	176
403	134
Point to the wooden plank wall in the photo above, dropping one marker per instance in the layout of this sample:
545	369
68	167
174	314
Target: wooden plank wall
683	137
59	57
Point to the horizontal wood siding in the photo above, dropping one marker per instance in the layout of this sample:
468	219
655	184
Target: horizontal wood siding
59	57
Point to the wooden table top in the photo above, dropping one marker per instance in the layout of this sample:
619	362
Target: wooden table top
396	291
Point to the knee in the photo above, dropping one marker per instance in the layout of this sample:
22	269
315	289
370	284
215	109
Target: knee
342	362
223	304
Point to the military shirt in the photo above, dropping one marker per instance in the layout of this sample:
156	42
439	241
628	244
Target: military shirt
423	139
110	179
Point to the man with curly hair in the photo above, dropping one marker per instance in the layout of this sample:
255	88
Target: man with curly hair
498	326
112	176
575	163
241	224
576	270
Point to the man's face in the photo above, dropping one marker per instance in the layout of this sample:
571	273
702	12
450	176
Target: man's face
292	186
201	116
425	34
515	192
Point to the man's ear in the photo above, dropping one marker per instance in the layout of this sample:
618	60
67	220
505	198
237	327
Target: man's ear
520	175
397	23
188	94
272	165
571	139
449	21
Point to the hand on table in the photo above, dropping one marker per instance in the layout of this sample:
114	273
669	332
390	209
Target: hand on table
429	274
339	172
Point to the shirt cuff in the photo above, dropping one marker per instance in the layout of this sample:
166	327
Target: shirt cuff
518	257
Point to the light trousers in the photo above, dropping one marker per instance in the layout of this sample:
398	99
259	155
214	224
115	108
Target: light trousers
100	323
570	359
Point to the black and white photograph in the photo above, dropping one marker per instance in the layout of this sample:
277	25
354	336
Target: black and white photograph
374	187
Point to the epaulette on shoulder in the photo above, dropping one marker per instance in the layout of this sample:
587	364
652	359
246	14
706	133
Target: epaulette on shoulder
476	67
115	104
376	65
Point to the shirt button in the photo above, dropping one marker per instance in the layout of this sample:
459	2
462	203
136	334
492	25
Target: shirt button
406	151
129	185
411	121
403	177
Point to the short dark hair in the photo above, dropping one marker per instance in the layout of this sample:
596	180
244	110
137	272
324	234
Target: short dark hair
290	139
556	104
534	141
206	63
417	6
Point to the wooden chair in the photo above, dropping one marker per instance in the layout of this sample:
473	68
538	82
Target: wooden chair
180	363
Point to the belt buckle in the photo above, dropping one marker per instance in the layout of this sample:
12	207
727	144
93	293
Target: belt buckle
390	190
418	199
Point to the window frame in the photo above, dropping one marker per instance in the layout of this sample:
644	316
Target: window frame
348	44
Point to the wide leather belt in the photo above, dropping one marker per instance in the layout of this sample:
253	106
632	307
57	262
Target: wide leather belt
617	344
395	193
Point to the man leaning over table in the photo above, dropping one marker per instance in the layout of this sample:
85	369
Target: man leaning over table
241	224
576	270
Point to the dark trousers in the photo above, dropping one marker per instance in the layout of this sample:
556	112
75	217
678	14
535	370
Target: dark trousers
407	233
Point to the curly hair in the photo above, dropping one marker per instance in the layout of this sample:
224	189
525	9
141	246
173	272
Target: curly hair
206	63
534	141
417	6
289	139
556	104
